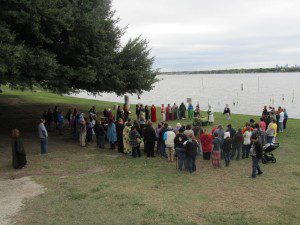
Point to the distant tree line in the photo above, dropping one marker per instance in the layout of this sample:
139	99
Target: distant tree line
70	45
228	71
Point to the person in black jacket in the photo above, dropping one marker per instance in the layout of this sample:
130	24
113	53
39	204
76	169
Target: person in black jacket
161	140
100	134
191	152
119	129
149	139
180	150
18	153
256	154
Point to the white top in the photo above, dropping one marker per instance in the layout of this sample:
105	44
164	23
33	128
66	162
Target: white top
169	137
42	130
247	137
281	117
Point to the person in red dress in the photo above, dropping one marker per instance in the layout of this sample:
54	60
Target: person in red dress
153	114
206	141
167	113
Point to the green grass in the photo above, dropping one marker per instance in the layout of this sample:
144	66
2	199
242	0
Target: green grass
91	186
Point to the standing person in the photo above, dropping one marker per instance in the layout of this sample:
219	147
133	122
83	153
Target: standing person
271	131
119	113
162	141
256	154
55	116
216	151
147	113
263	127
191	153
170	109
149	139
179	141
210	114
119	129
126	138
153	114
188	130
220	131
197	111
206	142
175	111
89	130
265	112
281	120
227	112
18	153
237	144
231	130
92	112
100	134
182	110
169	137
191	111
135	141
137	111
167	112
157	131
50	119
82	131
163	112
112	134
285	118
43	136
227	147
60	122
247	142
142	120
69	116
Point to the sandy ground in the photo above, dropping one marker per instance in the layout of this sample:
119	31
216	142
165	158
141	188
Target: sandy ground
13	193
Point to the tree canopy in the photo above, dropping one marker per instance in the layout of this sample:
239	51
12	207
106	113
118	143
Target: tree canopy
70	45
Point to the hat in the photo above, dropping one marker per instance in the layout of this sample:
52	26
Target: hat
178	125
169	128
226	135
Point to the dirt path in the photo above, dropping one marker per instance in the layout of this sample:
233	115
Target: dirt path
12	195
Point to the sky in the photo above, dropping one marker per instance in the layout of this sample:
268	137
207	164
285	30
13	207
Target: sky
214	34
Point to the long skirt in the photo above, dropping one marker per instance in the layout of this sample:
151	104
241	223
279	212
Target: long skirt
215	158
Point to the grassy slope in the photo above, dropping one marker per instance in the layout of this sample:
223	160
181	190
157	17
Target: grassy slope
88	186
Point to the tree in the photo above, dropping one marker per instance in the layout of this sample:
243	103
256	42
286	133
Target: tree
70	45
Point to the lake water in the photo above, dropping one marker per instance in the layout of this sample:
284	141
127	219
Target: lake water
244	93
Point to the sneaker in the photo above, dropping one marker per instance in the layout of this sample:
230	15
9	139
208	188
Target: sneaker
259	173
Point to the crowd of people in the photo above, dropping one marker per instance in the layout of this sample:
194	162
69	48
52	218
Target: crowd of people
182	143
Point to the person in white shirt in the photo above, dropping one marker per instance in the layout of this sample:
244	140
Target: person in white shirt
247	142
43	136
280	121
169	137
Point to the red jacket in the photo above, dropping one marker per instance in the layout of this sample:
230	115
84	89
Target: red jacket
206	142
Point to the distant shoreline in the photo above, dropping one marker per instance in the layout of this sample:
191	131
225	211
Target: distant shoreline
236	71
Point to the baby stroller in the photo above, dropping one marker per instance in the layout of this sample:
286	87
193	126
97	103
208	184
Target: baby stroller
267	153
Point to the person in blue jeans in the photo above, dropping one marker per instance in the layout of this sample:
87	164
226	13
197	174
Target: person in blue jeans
43	136
191	153
256	154
179	141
